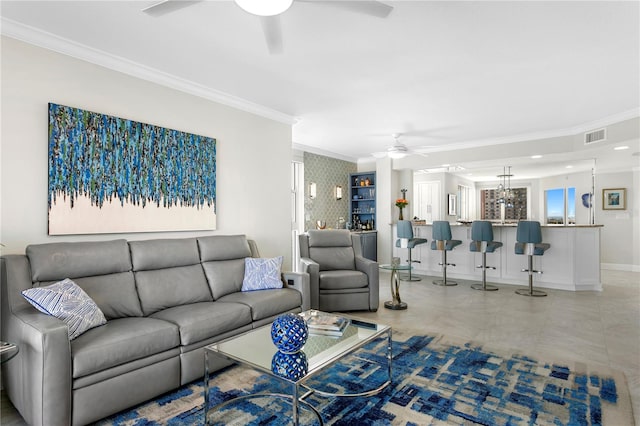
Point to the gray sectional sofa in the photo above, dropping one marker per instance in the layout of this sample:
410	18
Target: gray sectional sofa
164	301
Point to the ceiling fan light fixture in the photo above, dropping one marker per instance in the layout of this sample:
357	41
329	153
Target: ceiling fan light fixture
264	7
397	154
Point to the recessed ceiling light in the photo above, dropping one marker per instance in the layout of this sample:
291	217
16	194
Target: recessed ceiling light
620	148
536	156
569	166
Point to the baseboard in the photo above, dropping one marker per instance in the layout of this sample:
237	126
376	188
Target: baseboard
620	267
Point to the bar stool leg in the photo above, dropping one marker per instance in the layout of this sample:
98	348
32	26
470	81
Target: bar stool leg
444	282
530	291
409	277
484	286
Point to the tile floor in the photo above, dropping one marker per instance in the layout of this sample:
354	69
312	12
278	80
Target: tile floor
596	327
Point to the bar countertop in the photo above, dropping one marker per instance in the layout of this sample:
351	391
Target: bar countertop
509	224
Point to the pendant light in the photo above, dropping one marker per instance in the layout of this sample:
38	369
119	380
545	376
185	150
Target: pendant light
504	191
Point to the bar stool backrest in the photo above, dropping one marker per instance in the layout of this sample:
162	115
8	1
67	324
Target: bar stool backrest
529	232
405	230
441	230
481	230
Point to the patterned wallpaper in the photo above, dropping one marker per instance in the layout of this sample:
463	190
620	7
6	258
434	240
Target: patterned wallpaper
326	172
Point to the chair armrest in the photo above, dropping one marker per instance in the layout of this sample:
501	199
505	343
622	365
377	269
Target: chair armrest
313	269
370	268
300	282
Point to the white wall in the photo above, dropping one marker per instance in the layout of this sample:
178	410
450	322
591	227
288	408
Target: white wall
580	181
253	194
621	231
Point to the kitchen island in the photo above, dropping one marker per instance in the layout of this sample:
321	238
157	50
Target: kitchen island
572	263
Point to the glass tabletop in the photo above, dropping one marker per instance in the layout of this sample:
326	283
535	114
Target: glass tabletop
391	267
256	348
7	351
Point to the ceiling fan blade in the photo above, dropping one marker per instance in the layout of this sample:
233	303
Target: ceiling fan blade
373	8
167	6
272	33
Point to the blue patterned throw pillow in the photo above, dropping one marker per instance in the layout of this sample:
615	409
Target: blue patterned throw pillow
262	274
69	303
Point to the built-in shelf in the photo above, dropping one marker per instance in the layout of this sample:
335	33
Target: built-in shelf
362	204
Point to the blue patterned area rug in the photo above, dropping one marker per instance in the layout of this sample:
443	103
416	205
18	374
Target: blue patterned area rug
436	381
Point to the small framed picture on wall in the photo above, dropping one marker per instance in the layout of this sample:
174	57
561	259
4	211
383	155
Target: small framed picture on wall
614	199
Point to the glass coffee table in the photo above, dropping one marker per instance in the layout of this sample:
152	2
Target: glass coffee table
7	351
255	349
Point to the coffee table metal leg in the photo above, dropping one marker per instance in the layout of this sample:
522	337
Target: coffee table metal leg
294	404
206	387
390	354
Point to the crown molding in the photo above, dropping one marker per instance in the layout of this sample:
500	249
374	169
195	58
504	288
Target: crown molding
46	40
319	151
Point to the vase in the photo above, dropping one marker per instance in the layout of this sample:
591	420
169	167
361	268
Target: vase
400	215
289	333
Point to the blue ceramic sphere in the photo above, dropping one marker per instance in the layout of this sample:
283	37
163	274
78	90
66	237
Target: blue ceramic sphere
289	333
290	366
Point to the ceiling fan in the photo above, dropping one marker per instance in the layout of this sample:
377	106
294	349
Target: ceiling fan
399	150
269	12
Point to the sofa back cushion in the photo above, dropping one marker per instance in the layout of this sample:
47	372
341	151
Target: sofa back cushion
222	259
168	273
101	268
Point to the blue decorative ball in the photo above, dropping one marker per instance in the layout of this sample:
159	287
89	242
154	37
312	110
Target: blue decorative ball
290	366
289	333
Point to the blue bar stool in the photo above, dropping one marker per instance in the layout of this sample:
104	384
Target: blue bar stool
482	242
442	241
405	239
529	242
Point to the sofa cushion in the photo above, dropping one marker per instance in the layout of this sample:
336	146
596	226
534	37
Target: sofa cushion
120	341
262	274
102	269
69	303
224	276
223	247
336	280
165	288
168	273
163	253
266	303
57	261
115	294
200	321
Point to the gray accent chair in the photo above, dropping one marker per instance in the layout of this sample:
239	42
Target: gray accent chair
164	301
340	279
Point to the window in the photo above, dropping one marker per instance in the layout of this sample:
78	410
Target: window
464	203
560	206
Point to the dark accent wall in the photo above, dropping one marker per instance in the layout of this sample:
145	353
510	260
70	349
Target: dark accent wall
326	172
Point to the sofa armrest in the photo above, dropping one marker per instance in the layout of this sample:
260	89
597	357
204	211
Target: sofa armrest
38	379
370	268
313	269
300	282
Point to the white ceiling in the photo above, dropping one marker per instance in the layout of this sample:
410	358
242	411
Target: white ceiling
443	74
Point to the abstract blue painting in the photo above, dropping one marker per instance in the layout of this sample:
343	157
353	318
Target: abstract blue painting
109	174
